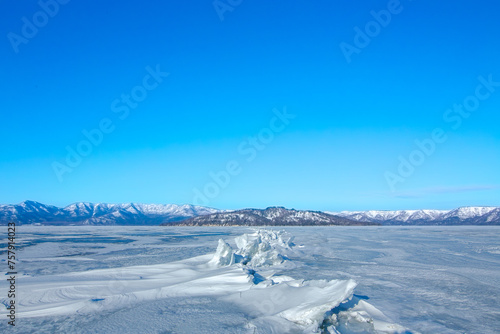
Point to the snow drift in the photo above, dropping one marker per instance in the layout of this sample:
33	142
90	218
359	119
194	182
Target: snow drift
244	275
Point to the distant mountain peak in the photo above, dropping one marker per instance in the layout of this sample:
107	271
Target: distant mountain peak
467	215
271	216
87	213
31	203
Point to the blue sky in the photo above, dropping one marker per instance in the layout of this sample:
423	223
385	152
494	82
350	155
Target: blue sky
349	142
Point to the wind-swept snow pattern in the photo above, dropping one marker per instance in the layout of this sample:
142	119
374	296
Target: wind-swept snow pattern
244	275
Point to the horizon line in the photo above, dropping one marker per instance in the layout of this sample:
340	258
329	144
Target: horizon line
245	208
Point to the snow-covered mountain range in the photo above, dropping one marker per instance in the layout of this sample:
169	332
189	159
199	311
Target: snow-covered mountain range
471	215
83	213
271	216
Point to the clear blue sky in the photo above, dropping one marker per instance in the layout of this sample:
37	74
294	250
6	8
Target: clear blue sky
353	120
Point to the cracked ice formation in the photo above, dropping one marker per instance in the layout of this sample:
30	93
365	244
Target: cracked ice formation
224	255
263	248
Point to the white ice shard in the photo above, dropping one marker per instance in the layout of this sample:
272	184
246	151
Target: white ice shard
224	255
263	248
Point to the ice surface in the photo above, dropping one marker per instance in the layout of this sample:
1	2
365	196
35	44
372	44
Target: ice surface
187	280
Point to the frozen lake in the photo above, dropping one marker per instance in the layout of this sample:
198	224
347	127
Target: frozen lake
425	279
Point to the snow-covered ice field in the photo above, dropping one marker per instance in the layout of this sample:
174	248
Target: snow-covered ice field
301	280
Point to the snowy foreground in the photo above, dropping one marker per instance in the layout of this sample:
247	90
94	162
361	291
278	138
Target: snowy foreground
242	280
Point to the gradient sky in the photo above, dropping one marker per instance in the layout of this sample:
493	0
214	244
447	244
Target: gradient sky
353	120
